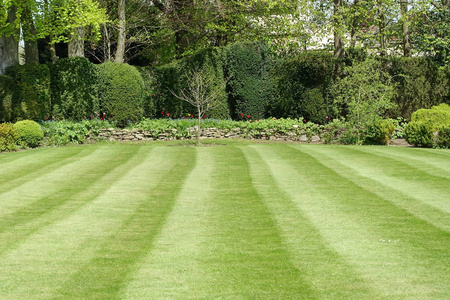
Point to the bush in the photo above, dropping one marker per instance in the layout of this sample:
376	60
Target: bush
60	133
73	88
250	86
6	91
8	137
31	97
29	133
443	137
120	92
419	83
379	132
303	85
419	134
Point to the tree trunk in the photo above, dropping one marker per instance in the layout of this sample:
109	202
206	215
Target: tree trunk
120	52
381	26
355	22
406	40
31	45
9	44
338	28
76	43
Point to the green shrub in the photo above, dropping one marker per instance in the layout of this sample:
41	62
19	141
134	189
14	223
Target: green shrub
29	133
150	91
59	133
73	88
419	134
250	86
6	91
443	137
8	137
302	85
419	83
31	97
120	92
378	133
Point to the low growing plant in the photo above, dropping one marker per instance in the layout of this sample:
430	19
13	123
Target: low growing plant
29	133
8	137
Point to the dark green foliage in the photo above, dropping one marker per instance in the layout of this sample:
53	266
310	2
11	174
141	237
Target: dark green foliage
8	137
250	85
150	84
29	133
443	137
6	91
173	77
120	92
419	84
31	97
425	125
73	88
303	84
379	132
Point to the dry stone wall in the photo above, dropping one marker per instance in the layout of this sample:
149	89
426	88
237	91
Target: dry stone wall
123	135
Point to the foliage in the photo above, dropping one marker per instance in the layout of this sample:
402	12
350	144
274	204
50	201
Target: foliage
250	87
8	137
173	77
6	91
73	88
121	92
150	90
29	133
364	93
443	137
418	83
60	133
379	133
31	97
425	125
302	85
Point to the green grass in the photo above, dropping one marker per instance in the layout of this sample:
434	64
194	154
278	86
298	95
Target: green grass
235	221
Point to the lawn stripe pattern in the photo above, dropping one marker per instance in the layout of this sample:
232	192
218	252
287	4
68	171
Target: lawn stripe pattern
240	221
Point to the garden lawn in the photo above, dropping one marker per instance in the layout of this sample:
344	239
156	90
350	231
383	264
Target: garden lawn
237	221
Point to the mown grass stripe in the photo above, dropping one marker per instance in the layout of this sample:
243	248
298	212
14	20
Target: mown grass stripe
326	271
174	267
46	260
245	250
363	168
359	225
109	269
94	179
17	173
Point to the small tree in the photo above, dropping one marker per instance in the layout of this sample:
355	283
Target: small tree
202	91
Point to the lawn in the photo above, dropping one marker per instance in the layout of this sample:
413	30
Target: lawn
241	220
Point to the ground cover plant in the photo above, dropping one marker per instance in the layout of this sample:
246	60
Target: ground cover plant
238	221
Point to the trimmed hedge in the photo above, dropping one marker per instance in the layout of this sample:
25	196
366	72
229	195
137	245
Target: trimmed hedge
31	92
73	88
29	133
120	92
303	85
250	84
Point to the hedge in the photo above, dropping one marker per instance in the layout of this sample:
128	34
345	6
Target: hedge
73	88
6	91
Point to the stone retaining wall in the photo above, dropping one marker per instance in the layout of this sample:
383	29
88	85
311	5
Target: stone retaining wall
123	135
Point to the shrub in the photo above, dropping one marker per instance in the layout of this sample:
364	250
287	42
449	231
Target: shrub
120	92
29	133
73	88
419	83
250	86
302	85
379	132
8	137
6	90
443	137
31	97
423	130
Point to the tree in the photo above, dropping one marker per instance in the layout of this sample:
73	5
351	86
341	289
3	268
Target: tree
9	37
120	52
201	92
